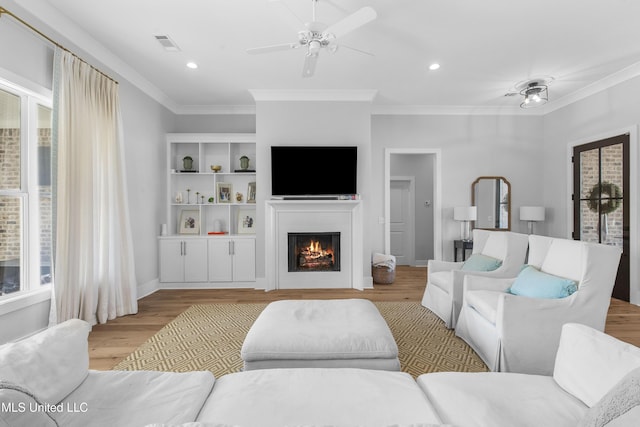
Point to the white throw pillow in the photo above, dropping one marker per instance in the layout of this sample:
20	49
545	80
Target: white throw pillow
50	364
589	363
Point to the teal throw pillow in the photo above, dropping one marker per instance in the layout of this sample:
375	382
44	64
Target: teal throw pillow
533	283
479	262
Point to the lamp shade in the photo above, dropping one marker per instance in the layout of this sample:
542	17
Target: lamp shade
464	213
532	213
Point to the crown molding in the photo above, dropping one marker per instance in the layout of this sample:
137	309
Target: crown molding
601	85
452	110
215	109
313	95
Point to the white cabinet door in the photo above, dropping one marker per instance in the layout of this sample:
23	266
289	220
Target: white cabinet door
183	260
195	260
220	260
244	260
171	261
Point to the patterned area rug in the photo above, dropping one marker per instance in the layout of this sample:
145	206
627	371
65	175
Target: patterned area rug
209	337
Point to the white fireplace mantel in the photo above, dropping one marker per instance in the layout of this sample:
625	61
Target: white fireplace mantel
298	216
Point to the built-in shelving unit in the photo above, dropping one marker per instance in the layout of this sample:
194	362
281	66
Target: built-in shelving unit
201	201
197	189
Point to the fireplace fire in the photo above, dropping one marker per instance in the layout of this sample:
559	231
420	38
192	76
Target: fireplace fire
314	252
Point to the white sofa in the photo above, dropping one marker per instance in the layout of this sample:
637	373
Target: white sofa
443	293
52	368
595	382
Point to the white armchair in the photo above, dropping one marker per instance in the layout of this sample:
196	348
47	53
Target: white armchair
443	294
513	333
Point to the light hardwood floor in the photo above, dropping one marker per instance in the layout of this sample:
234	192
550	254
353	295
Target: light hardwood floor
113	341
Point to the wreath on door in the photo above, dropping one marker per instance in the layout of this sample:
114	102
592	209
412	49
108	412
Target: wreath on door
613	194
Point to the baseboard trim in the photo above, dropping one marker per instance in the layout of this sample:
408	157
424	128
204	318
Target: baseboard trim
148	288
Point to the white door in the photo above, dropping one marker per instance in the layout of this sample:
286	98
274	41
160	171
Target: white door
402	223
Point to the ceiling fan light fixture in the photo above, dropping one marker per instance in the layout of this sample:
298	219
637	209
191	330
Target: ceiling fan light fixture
314	47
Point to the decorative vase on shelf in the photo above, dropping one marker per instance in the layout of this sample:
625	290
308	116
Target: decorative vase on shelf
187	163
244	162
179	197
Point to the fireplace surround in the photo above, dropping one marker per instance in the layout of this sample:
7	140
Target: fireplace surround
332	223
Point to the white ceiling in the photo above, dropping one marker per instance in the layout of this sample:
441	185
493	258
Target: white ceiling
484	47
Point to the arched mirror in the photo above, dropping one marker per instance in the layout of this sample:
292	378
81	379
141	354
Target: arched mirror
492	197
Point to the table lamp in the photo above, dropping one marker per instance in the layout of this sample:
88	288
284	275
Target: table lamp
531	214
465	214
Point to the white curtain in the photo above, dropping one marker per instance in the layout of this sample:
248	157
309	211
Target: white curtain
94	274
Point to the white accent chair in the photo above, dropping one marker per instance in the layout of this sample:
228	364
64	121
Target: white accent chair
443	294
513	333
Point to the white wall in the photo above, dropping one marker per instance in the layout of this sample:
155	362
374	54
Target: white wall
472	146
608	113
313	123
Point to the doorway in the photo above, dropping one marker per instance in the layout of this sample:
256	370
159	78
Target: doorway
423	167
601	200
402	219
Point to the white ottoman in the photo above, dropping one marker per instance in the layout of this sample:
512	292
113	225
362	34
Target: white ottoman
348	333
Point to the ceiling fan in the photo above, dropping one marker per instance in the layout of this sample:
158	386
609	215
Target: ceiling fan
317	36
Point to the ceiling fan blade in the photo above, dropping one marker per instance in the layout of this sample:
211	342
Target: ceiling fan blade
310	61
292	19
273	48
351	48
351	22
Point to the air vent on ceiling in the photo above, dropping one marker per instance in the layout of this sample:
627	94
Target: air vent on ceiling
167	43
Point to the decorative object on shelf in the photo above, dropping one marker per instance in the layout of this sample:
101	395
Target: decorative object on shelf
238	197
244	163
163	229
211	199
216	168
224	191
179	197
189	222
465	214
246	221
251	193
188	196
531	214
197	197
596	196
202	200
187	163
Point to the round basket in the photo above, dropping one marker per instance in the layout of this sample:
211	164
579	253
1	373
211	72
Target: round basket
383	275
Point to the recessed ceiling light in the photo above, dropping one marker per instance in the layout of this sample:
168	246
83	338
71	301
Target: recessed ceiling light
192	65
434	66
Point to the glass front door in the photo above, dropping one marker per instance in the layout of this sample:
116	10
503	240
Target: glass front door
601	202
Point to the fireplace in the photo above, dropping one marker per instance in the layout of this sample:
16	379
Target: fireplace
336	226
314	251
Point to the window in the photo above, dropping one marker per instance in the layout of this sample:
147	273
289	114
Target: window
25	191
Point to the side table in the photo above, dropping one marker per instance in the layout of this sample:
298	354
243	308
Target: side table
464	245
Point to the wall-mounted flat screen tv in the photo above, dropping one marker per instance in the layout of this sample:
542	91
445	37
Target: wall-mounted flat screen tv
313	170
